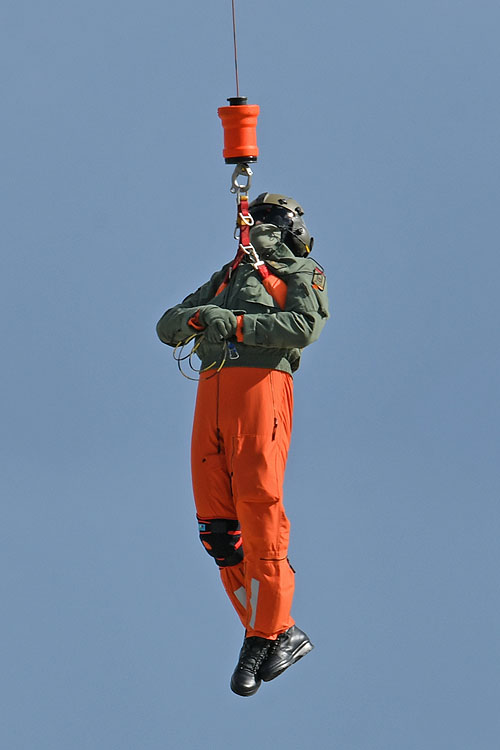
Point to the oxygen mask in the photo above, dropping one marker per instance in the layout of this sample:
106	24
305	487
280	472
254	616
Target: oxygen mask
265	238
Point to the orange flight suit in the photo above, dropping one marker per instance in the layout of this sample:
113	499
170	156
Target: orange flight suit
241	435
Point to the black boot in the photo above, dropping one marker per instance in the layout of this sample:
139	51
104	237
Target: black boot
288	648
253	652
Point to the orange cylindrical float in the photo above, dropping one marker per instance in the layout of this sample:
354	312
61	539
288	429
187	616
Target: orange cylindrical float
239	121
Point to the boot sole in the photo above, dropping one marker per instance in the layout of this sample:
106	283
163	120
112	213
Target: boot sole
303	649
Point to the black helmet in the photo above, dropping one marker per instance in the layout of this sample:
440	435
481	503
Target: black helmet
286	213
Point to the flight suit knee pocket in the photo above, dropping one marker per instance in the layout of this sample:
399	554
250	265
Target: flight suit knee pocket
211	486
254	469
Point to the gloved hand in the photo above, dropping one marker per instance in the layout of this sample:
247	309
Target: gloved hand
219	323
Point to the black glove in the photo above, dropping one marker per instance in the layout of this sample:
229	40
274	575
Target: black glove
219	323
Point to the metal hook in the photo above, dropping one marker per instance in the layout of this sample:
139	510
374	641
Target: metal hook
239	171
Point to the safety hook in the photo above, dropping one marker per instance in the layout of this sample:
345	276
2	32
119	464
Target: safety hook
239	171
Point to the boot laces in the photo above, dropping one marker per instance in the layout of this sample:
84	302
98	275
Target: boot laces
277	643
253	653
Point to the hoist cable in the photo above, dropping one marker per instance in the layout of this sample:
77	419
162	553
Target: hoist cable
235	51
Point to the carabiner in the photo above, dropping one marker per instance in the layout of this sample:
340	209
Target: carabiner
239	171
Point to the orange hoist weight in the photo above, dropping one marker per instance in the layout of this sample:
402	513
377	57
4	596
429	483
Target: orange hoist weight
239	121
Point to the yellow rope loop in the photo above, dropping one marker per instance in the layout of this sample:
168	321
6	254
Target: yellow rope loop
179	356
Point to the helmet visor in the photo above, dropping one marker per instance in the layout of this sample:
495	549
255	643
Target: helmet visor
267	213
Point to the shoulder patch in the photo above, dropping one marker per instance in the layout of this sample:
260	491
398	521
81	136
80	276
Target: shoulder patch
318	279
274	264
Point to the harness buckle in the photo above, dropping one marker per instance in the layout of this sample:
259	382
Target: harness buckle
253	255
246	220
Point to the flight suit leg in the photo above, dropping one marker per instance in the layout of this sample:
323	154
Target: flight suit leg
241	436
256	417
212	489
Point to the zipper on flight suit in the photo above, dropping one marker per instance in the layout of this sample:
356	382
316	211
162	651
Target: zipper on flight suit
217	429
275	419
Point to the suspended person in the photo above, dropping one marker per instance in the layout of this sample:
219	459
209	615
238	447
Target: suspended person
243	422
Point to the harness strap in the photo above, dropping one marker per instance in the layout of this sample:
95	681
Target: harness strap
244	222
276	287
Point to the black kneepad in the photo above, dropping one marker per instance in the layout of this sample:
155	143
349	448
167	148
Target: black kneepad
221	538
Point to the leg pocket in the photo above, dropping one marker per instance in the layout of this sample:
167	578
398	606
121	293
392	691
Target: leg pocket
212	486
254	473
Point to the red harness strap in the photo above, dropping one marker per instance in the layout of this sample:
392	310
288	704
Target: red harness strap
244	223
273	285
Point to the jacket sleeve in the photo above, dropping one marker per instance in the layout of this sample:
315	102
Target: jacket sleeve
173	327
302	320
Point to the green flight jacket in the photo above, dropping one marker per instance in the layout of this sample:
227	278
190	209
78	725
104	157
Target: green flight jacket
272	338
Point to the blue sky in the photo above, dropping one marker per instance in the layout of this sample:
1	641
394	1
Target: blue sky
382	119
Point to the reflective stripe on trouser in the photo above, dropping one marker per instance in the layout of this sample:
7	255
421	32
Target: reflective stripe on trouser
241	435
